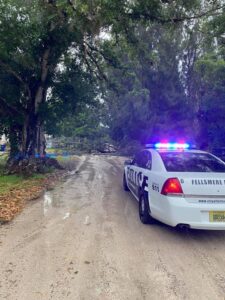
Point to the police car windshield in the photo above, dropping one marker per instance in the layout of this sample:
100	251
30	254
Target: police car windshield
191	162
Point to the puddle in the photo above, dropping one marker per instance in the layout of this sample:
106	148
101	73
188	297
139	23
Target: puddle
47	202
52	200
72	172
87	220
66	216
67	198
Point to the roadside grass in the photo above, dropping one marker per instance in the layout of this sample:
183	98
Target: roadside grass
7	182
3	159
16	190
11	182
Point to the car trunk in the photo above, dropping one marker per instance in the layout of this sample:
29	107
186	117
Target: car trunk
202	185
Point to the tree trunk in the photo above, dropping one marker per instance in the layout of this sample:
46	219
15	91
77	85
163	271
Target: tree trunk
14	142
29	139
41	142
31	136
33	140
28	142
25	139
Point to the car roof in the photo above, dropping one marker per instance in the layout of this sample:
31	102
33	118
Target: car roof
175	150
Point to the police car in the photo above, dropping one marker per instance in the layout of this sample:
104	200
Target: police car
178	186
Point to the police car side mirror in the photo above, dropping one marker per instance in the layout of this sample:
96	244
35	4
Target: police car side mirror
128	162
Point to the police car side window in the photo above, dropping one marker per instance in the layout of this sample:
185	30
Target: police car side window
134	162
143	159
138	159
149	161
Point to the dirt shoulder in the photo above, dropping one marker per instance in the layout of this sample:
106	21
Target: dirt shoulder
16	191
14	197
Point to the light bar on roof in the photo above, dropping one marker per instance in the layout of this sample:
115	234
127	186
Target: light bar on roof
172	146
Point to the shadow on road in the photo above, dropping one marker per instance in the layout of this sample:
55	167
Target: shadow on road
194	234
162	229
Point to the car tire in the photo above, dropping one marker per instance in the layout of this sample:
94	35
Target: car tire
125	186
144	210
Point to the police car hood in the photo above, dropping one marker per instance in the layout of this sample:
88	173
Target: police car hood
205	184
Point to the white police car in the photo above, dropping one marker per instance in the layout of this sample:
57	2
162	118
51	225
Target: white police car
178	186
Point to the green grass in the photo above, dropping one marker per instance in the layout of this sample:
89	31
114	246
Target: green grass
38	176
3	159
8	182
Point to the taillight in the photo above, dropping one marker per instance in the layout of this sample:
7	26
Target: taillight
172	186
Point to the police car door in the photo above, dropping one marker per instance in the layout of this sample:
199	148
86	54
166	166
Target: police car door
136	174
146	165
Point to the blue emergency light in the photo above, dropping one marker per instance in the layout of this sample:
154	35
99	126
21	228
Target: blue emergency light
172	146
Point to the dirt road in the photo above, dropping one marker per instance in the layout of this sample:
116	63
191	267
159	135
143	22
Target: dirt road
84	241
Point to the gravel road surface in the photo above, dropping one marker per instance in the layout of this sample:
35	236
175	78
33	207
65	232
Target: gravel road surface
84	241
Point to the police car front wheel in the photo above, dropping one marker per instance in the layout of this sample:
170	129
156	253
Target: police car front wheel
144	210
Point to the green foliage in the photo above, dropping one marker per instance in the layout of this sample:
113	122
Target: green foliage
171	86
37	41
73	89
211	71
149	101
55	68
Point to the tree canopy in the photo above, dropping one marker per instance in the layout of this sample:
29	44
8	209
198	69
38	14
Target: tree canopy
172	83
149	64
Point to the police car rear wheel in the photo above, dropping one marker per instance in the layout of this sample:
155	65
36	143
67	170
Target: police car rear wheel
125	187
144	210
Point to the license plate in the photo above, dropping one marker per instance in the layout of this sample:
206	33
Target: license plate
217	216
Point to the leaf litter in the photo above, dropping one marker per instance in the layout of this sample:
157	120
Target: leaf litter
14	200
